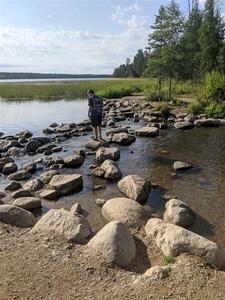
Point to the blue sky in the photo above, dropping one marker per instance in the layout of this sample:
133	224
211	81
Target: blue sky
79	36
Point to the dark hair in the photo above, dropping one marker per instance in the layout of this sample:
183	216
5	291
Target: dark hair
91	91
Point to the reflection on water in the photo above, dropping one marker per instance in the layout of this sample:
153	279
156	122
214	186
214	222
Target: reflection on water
35	115
202	187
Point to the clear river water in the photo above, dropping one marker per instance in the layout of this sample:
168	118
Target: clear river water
202	187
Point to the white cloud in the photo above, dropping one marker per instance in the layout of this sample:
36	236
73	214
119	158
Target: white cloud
68	51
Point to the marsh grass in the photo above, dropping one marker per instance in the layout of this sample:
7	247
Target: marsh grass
111	88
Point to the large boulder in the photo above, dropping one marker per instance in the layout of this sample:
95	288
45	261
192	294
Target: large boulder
28	203
111	170
104	153
183	125
147	131
173	240
113	131
135	187
95	145
21	193
75	228
66	184
115	243
124	210
49	195
123	138
179	213
207	122
16	216
73	161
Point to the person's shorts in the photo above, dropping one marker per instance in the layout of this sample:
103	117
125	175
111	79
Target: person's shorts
96	120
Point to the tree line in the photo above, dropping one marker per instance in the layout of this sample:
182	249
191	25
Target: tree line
21	75
182	48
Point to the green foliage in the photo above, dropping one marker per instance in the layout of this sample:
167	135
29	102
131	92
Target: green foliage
213	88
163	108
195	108
215	110
169	259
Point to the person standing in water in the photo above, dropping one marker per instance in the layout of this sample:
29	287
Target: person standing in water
95	104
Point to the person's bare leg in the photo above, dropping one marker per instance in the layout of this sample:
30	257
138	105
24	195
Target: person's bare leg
95	130
99	132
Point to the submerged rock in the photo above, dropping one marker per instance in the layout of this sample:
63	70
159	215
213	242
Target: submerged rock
180	165
115	244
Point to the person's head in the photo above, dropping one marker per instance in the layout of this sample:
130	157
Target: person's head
91	92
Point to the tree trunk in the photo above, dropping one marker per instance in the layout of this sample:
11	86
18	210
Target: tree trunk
159	86
170	84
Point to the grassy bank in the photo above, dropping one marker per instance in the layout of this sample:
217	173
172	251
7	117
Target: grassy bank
112	88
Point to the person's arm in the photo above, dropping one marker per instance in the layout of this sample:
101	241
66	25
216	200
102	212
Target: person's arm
89	107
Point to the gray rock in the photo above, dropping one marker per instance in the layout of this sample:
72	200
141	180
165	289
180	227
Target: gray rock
15	151
20	175
16	216
183	125
49	195
157	272
113	131
73	161
30	167
33	185
95	145
180	165
66	184
9	168
174	240
28	203
104	153
32	146
100	202
13	186
76	208
75	228
47	176
98	172
147	131
123	139
124	210
21	193
115	244
179	213
135	187
207	122
111	169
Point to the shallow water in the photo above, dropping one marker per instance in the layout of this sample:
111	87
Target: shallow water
202	187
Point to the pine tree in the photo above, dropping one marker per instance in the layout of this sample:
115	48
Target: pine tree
190	64
138	64
211	37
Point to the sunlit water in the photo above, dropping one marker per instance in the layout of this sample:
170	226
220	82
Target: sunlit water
202	187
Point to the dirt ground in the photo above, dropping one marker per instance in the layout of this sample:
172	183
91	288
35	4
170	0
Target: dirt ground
47	267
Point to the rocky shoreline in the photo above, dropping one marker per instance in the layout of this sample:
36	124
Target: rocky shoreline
49	177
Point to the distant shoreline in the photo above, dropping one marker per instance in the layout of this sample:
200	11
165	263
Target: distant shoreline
18	75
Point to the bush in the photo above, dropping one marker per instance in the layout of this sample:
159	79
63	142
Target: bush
163	108
213	88
115	92
215	110
195	107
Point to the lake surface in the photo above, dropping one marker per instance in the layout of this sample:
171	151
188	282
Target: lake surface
36	115
202	187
